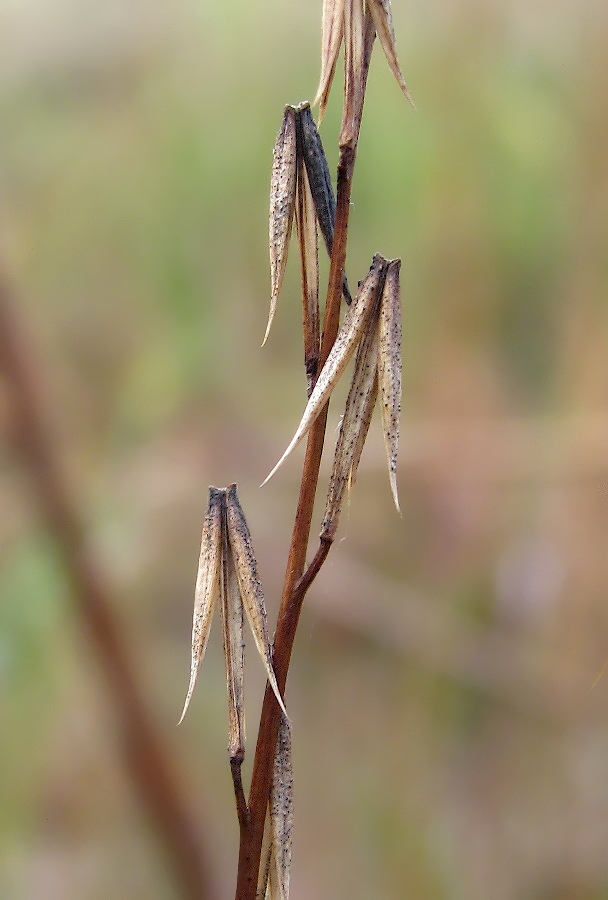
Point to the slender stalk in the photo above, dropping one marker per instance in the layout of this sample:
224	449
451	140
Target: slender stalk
295	586
146	757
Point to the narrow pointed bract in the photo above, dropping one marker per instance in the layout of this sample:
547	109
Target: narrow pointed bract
331	38
306	222
319	180
250	587
355	323
234	649
389	369
282	204
263	889
383	20
207	585
366	419
281	811
355	422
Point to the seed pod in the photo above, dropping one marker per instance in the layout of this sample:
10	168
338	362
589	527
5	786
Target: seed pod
263	891
319	180
355	423
354	76
234	648
332	32
207	585
354	325
306	222
383	20
282	203
281	814
389	369
250	587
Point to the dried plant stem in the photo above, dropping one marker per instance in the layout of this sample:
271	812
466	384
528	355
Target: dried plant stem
295	585
146	757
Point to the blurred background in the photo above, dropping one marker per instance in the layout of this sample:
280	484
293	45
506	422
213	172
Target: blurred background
450	729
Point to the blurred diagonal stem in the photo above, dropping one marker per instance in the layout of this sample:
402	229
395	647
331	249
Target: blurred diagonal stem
297	581
146	757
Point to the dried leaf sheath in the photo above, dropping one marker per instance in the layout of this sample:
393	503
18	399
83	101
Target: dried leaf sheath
381	13
354	325
249	583
282	203
234	648
331	38
389	369
207	585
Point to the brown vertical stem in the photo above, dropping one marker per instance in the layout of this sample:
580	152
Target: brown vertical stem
146	757
291	603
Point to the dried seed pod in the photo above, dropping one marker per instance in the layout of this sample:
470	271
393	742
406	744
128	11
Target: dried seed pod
234	648
281	814
207	584
389	369
282	203
354	74
383	20
332	32
319	180
366	419
306	223
354	325
354	426
263	891
250	587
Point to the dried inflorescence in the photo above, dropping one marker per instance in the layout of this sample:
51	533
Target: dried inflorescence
354	22
372	327
228	571
300	180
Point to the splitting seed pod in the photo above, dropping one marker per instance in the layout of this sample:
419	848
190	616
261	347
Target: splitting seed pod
228	570
299	166
275	863
377	372
356	23
389	369
354	325
282	205
331	39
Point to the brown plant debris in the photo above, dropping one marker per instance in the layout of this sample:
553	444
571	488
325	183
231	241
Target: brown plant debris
354	325
228	569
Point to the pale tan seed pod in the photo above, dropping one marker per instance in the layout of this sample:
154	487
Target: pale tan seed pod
246	568
281	814
389	369
234	649
383	20
331	39
282	203
207	585
354	325
355	423
354	74
366	419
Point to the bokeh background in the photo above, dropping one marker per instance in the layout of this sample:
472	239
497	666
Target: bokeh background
450	730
